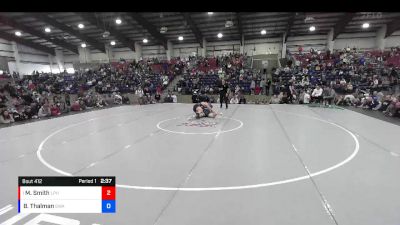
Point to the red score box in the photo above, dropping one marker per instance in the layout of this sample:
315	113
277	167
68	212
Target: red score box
108	192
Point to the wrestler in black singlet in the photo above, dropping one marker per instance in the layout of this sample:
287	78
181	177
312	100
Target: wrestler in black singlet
195	106
205	109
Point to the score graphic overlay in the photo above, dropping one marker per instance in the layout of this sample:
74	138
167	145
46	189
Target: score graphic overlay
66	195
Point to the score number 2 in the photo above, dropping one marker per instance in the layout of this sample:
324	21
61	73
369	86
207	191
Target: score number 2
108	193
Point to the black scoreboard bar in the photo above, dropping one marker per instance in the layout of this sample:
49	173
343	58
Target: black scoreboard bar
66	181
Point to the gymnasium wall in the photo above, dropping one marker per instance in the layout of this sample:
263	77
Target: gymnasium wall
70	58
98	56
154	51
222	48
186	50
362	41
263	46
31	59
317	42
393	40
124	53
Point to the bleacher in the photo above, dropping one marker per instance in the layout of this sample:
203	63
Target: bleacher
209	71
359	68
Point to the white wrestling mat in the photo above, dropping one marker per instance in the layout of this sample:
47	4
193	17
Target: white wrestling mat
253	165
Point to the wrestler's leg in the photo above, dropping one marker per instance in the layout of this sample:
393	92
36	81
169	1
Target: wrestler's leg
212	114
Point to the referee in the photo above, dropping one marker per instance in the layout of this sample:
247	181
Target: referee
223	94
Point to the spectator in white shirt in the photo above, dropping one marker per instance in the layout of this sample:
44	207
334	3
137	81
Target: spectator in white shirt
139	92
234	100
306	98
317	94
6	117
305	82
44	111
275	99
174	98
376	82
117	99
343	83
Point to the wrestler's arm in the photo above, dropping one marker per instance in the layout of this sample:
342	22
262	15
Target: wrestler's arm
205	104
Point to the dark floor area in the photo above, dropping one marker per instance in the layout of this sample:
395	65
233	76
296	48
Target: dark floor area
375	114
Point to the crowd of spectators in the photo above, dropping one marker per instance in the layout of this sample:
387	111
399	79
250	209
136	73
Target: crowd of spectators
18	103
206	74
344	77
367	80
41	95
